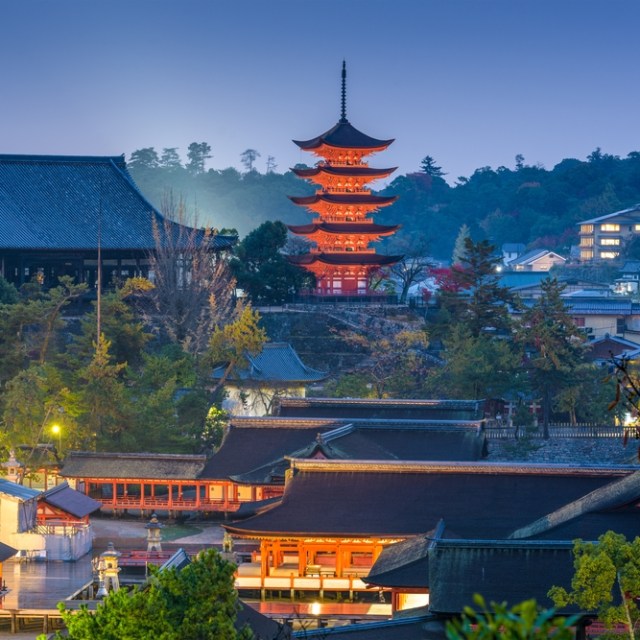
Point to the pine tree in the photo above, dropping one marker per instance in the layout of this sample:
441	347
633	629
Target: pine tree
555	345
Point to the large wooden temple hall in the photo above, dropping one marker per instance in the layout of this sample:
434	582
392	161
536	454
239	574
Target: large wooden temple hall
56	212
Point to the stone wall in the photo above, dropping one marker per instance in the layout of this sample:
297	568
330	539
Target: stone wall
585	451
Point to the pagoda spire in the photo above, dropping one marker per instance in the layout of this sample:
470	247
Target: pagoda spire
343	110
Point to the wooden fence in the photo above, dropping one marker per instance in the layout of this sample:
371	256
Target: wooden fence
562	431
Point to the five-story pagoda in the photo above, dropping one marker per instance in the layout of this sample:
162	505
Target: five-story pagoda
342	260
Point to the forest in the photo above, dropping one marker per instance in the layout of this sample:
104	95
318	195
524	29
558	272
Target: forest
526	204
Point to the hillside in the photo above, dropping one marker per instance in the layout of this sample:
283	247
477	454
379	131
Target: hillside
527	204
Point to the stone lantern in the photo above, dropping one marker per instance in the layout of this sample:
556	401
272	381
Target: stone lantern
108	571
154	534
13	468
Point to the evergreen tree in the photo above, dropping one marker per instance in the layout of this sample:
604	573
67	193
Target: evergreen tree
197	153
555	346
146	158
170	158
197	602
429	166
262	270
476	366
248	157
476	297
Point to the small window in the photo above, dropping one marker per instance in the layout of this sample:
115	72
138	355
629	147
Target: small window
610	242
608	255
609	226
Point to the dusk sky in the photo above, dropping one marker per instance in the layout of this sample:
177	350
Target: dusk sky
469	82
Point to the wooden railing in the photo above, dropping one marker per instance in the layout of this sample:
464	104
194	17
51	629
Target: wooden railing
558	431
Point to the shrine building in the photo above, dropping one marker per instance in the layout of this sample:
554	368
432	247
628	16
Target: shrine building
342	231
63	215
337	517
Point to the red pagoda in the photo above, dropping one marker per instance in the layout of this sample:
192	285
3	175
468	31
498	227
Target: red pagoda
342	259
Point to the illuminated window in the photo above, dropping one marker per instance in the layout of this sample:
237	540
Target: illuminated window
636	228
609	242
608	255
586	228
586	254
586	242
609	226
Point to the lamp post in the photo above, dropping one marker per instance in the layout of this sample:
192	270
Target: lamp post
57	431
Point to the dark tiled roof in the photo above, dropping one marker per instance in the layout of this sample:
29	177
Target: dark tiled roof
255	450
55	202
427	627
404	564
356	171
608	346
387	408
476	500
252	444
6	552
84	464
74	502
261	625
277	362
365	228
346	199
409	442
179	560
343	135
500	571
344	258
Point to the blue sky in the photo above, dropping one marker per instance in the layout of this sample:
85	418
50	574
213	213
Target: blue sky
470	82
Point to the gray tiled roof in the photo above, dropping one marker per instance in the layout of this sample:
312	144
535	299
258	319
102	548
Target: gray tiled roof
56	202
476	500
162	466
74	502
277	362
17	490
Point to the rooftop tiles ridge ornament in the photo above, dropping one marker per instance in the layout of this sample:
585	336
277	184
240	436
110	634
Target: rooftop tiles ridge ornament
343	109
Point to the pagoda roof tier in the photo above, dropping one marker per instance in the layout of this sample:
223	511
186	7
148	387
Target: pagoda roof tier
344	258
353	171
364	228
344	136
346	199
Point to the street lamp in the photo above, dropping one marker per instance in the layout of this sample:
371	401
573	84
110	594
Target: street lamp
57	431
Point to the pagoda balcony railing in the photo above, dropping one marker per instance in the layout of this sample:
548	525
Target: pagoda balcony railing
343	190
342	219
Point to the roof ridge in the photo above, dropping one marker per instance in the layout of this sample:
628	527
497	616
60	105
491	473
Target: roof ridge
625	489
419	466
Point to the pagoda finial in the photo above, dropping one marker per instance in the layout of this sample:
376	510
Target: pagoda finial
343	112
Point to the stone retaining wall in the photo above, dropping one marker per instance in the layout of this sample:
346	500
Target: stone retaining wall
579	451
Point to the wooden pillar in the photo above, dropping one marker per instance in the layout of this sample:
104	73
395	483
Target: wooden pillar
114	495
225	495
302	558
264	558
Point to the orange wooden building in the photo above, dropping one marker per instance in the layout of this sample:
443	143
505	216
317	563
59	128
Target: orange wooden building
342	259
